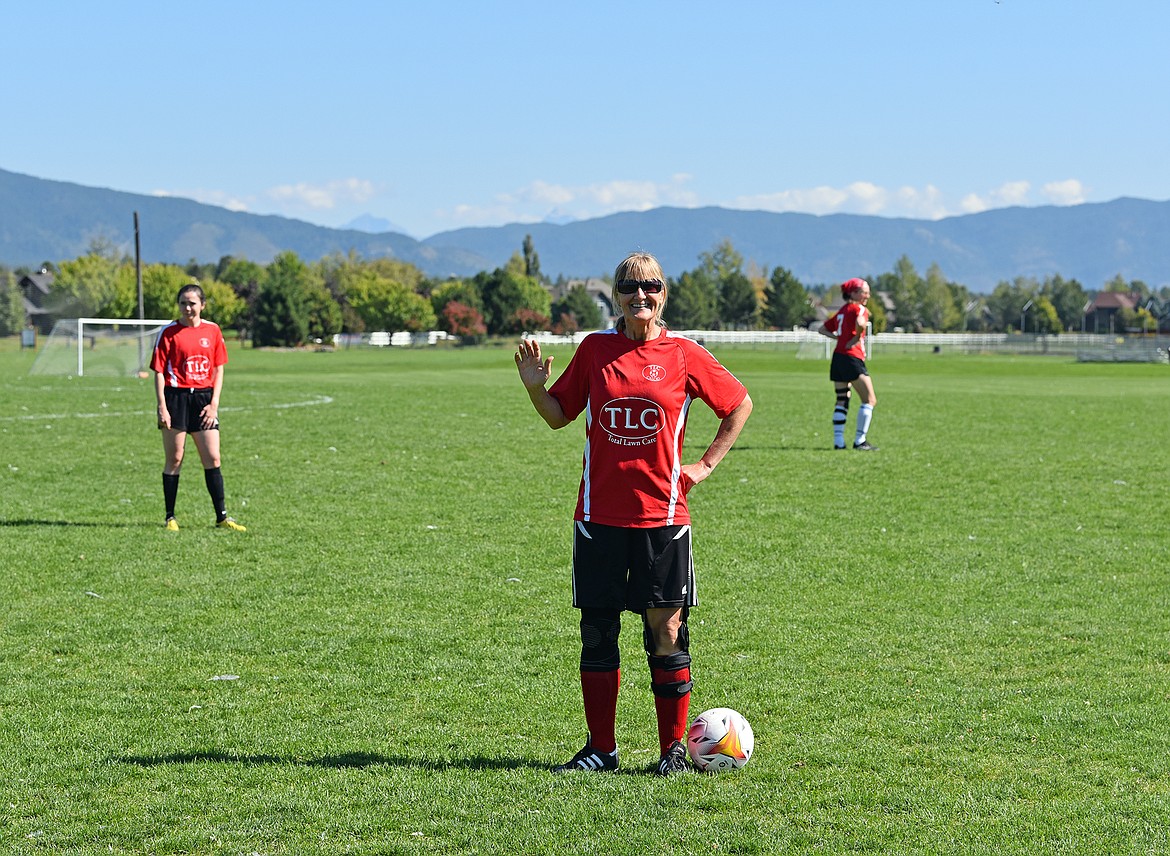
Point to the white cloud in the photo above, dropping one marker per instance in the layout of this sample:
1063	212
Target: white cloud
1067	192
541	200
973	203
323	196
1007	194
860	197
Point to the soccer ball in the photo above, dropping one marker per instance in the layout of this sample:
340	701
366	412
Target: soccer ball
720	739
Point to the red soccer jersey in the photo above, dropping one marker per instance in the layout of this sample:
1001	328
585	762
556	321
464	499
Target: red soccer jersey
188	356
636	396
850	321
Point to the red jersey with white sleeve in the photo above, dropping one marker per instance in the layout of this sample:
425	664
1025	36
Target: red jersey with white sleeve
850	321
188	356
636	396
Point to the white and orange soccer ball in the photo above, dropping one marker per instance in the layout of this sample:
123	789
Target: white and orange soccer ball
720	739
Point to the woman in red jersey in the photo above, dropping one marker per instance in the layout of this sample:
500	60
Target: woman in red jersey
188	362
631	542
848	369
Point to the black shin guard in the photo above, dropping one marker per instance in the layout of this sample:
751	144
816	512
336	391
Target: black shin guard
599	640
669	662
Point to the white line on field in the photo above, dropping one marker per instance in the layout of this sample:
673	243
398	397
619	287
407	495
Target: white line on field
34	417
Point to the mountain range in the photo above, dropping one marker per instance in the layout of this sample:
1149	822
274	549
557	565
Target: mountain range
45	220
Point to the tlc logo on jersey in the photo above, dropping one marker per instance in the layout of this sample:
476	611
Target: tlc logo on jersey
632	421
198	367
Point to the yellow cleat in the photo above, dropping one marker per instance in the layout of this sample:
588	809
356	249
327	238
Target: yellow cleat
172	525
228	523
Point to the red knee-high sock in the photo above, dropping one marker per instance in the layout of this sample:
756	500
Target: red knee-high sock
672	710
600	691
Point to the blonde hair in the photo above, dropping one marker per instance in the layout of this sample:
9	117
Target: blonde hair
641	267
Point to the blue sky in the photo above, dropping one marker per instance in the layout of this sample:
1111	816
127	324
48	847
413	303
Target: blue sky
438	115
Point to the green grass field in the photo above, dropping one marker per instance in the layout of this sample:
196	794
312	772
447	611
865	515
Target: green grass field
970	654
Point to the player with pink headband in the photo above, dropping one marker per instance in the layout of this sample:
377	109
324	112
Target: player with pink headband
847	370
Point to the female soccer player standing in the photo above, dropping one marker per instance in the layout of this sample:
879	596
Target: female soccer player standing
632	533
188	362
847	368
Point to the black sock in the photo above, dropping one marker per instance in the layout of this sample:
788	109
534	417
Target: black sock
170	491
214	479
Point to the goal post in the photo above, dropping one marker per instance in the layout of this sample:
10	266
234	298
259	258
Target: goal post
113	347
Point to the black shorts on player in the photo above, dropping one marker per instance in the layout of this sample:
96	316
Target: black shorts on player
186	407
845	368
623	568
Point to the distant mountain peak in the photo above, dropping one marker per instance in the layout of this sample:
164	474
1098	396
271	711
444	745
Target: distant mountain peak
374	225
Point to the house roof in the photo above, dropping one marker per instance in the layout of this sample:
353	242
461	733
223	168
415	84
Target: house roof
597	288
41	280
1113	300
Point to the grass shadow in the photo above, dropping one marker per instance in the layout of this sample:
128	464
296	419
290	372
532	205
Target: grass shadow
83	523
352	760
344	760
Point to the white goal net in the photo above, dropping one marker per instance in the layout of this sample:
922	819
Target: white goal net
108	347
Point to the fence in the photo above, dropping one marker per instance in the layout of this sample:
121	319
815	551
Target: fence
808	344
383	339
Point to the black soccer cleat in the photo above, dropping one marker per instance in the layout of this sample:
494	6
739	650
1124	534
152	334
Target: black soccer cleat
864	446
674	761
839	448
589	759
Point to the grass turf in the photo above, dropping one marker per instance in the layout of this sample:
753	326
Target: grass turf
955	645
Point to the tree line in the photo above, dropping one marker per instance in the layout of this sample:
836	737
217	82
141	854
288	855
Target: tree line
291	302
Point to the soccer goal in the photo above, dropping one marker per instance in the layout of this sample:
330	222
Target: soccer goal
815	348
109	347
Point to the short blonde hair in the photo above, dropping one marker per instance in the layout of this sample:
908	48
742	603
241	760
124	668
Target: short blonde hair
641	267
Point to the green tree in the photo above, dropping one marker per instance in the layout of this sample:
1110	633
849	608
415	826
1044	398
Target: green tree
738	304
721	262
1006	303
397	270
324	312
86	285
937	304
1045	318
463	291
282	311
531	259
12	315
877	312
244	277
904	287
389	305
510	296
786	301
1069	299
240	274
1126	320
692	300
160	291
578	304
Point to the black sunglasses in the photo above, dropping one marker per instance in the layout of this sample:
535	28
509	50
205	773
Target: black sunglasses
630	286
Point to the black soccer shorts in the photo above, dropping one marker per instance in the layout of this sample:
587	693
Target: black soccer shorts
845	368
185	405
632	569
